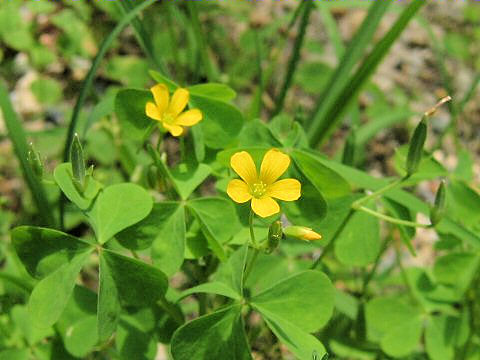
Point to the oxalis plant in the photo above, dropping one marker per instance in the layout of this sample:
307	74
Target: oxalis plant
237	256
228	237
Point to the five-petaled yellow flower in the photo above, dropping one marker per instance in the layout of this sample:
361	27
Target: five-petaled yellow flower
263	188
169	112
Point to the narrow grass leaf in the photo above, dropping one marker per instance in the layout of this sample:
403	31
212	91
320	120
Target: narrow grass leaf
340	78
19	141
294	57
143	37
328	114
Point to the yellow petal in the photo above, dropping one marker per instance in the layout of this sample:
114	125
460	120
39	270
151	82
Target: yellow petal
265	206
175	130
274	164
244	166
286	189
161	96
238	190
189	117
179	101
311	235
152	111
302	233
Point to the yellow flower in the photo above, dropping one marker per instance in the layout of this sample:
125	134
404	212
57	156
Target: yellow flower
169	112
302	233
261	189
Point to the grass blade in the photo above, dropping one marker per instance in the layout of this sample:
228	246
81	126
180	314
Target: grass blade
87	83
143	38
327	119
341	76
332	31
469	94
439	53
294	58
208	65
272	61
256	106
384	121
19	141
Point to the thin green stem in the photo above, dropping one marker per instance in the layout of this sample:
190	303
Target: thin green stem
256	106
171	310
294	58
17	281
252	234
392	219
164	173
19	141
201	40
398	259
329	246
272	61
371	273
249	267
148	132
135	254
253	242
173	37
379	192
143	37
183	152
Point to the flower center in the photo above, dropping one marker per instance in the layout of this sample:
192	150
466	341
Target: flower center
168	118
258	189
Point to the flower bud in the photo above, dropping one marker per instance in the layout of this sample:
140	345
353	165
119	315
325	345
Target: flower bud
33	158
302	233
438	209
415	149
78	163
274	236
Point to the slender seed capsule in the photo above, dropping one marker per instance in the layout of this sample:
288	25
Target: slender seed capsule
416	147
274	236
438	209
33	158
78	162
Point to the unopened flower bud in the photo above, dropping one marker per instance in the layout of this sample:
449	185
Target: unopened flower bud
78	164
415	149
302	233
33	158
274	236
438	209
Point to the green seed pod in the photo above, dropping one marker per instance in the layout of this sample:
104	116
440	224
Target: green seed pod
416	147
438	209
33	158
78	163
274	236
